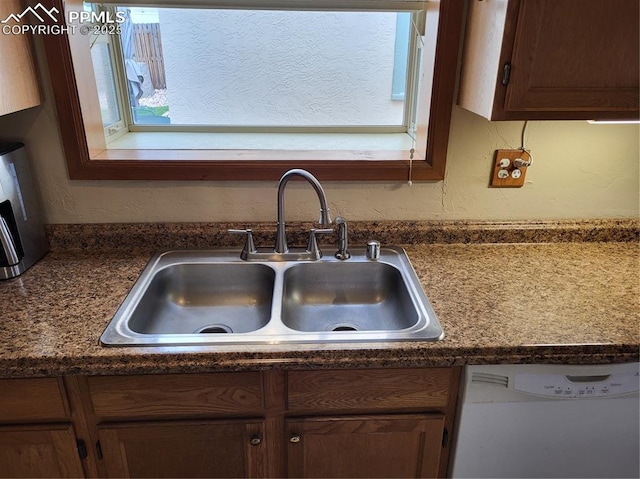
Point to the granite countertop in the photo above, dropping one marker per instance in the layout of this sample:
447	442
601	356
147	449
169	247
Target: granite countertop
538	302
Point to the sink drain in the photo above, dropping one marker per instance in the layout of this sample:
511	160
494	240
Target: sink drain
344	327
214	329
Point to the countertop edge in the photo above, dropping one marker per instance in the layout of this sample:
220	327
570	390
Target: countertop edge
209	362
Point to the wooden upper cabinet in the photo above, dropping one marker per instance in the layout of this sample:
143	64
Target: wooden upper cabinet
18	79
551	59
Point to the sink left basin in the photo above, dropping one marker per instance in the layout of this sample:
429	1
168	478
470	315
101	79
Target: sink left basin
183	297
203	298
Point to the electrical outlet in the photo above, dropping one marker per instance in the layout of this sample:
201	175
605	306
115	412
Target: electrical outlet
506	173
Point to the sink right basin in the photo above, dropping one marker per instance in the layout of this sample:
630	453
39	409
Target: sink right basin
343	296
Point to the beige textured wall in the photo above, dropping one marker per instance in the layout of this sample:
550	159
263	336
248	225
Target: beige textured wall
581	171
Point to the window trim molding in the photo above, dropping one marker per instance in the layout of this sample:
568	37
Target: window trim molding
90	160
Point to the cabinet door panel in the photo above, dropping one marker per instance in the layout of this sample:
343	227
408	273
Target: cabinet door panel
579	55
184	449
365	446
18	77
39	451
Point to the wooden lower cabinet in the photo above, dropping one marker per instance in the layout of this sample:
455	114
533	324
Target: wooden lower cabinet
39	451
184	449
314	423
361	446
37	437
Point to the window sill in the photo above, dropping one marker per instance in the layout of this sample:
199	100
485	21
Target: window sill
262	141
243	156
248	157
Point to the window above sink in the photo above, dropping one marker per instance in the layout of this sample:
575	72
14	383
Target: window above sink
408	144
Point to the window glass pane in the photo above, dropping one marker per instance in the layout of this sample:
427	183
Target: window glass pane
103	68
401	56
262	68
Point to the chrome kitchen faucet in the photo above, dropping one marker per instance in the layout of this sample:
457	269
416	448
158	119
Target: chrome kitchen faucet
325	219
281	251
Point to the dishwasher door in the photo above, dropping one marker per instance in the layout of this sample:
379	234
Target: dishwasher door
548	421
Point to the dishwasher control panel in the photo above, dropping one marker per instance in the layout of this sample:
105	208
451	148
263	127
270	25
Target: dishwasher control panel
572	387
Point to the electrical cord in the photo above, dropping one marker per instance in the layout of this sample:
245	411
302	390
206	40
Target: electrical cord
410	180
518	163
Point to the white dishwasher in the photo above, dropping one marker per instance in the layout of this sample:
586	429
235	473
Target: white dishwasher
548	421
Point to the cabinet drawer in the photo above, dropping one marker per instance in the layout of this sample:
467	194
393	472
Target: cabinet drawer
182	395
368	390
25	400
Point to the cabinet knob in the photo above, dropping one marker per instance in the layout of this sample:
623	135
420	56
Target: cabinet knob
295	438
255	440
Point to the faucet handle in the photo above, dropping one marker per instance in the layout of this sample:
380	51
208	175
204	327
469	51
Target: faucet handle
249	245
312	246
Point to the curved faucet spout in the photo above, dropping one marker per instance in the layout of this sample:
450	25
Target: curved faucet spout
325	219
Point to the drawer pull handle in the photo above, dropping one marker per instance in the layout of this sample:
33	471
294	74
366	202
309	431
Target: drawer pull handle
255	440
295	438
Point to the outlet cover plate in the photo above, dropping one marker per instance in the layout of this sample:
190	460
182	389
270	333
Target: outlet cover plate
509	181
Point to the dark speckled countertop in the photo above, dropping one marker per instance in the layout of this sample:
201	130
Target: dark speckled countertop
569	294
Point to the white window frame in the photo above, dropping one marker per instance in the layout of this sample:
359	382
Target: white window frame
409	94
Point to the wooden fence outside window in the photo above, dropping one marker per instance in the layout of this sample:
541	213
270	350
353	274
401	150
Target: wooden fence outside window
148	49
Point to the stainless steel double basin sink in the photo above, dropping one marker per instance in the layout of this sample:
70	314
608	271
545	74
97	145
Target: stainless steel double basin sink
212	297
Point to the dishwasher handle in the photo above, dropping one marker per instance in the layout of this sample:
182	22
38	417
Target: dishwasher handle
588	379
